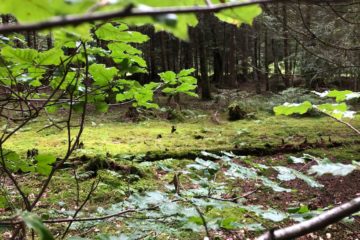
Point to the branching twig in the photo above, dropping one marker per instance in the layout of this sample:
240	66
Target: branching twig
340	121
92	189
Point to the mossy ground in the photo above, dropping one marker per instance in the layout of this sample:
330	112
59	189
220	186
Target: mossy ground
105	137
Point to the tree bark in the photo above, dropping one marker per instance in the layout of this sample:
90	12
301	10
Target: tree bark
231	80
286	47
266	62
164	63
205	83
325	219
255	60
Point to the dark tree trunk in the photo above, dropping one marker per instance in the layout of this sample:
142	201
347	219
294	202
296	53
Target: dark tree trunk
255	62
164	61
266	62
244	55
188	58
217	60
231	81
205	83
286	47
49	41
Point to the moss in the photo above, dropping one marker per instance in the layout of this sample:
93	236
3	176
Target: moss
140	138
347	153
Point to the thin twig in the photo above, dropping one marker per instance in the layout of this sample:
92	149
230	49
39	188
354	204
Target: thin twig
93	187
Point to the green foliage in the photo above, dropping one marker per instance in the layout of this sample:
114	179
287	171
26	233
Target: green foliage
239	16
340	96
143	95
15	163
292	108
209	167
31	57
292	95
37	10
179	83
338	111
323	166
287	174
34	222
109	32
203	185
337	169
43	163
102	76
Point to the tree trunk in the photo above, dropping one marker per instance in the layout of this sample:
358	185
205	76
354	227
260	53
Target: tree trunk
231	81
255	59
266	62
49	41
244	55
164	63
205	83
286	47
217	60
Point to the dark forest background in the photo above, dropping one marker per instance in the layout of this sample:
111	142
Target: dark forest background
288	45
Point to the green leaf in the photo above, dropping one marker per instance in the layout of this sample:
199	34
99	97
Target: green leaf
273	185
27	10
168	77
109	32
4	76
51	57
238	16
302	209
40	10
203	165
335	169
102	107
185	72
119	48
17	55
287	174
328	107
185	87
32	221
338	111
339	96
52	108
44	162
292	108
15	163
270	214
155	197
237	171
102	75
170	208
71	35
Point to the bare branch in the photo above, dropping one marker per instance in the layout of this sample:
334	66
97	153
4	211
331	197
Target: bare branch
332	216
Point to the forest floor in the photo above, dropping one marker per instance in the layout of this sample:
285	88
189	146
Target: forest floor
136	158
